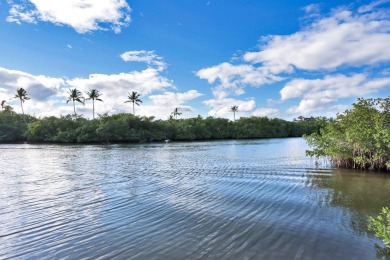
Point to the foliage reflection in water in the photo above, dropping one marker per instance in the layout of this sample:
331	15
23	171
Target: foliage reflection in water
224	199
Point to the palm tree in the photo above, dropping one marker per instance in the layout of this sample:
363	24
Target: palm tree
3	104
94	95
234	109
5	107
134	98
176	112
22	95
75	95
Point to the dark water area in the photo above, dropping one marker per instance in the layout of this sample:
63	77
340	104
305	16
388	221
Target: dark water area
255	199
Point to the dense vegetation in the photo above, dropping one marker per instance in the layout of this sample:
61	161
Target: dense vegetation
381	226
358	138
129	128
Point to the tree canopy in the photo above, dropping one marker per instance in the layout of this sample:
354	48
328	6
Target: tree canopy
358	138
126	127
134	98
75	95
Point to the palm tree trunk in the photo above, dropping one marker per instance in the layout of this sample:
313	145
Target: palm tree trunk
133	110
74	108
21	104
93	108
24	118
234	117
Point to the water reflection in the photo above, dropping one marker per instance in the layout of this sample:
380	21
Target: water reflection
356	193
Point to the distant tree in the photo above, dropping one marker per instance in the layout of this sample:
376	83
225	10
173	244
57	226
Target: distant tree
176	112
75	95
234	109
3	104
8	108
94	95
134	98
23	96
5	107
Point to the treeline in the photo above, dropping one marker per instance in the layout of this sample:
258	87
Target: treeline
358	138
129	128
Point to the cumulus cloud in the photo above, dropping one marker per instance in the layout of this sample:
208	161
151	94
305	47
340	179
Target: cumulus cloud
165	103
222	107
115	87
316	94
347	39
344	38
82	15
40	87
268	112
172	100
144	82
149	57
49	95
233	78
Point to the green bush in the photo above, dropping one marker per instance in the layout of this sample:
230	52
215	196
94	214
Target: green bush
358	138
381	226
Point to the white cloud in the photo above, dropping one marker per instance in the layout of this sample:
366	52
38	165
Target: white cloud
115	87
233	78
346	40
40	87
222	107
69	46
49	95
149	57
164	104
342	39
144	82
172	100
312	8
82	15
317	94
18	14
268	112
371	6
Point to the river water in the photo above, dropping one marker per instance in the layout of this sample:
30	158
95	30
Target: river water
254	199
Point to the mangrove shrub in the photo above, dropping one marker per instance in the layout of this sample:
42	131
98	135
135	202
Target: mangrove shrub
381	226
358	138
124	127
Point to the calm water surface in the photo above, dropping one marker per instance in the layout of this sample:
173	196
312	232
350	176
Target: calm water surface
257	199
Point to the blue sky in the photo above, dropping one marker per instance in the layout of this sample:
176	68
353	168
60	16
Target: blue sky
270	58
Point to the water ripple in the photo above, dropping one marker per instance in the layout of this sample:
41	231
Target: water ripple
219	200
